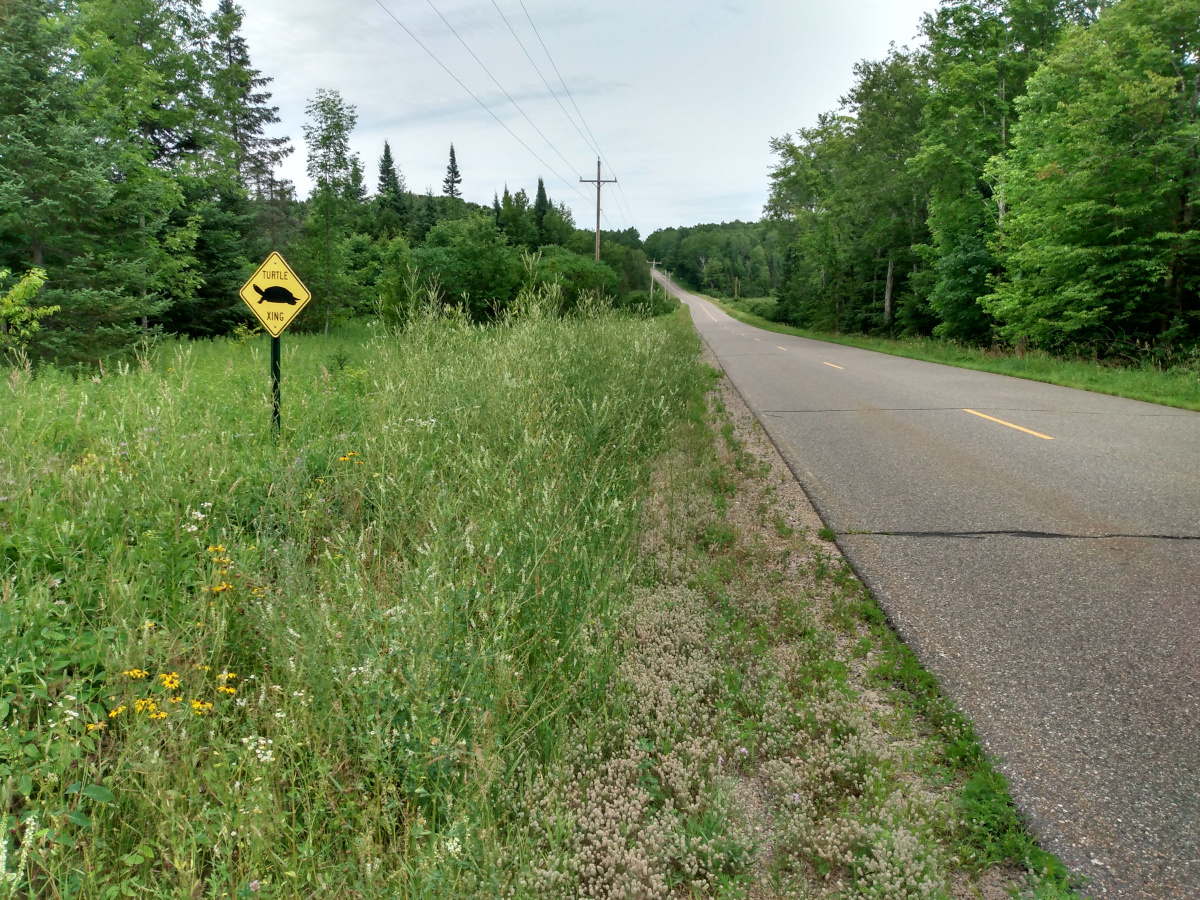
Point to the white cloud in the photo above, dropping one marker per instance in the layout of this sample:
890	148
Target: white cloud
682	96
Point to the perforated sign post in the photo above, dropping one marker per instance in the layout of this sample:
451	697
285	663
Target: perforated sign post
276	296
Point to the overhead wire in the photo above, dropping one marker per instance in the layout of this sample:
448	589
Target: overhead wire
473	96
496	81
582	118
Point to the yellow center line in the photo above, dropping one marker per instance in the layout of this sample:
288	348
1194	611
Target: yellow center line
777	347
1044	437
710	315
832	366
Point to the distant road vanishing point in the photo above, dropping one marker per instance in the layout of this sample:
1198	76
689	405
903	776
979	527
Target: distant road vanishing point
1039	548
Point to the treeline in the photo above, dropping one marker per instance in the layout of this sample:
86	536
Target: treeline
139	188
734	258
1027	177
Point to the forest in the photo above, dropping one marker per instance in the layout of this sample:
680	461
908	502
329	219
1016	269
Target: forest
1026	177
139	189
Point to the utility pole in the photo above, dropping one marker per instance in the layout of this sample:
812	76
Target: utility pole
598	181
653	265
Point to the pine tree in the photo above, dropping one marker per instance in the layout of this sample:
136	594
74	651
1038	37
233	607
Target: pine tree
393	193
241	103
541	206
496	207
453	178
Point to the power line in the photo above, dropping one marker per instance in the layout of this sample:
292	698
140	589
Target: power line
571	96
486	108
521	44
498	84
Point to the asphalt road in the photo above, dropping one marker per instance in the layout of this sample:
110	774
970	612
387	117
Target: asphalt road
1050	577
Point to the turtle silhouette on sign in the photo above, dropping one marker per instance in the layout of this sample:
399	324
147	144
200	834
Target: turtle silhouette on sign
276	294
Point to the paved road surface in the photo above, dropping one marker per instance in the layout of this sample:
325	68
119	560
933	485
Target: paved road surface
1052	585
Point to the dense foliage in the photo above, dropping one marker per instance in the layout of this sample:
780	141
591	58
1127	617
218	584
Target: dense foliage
138	173
1027	176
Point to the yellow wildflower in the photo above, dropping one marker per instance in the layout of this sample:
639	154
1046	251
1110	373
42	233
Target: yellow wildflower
200	707
148	625
227	676
226	689
204	668
96	726
161	714
136	674
170	680
146	705
216	548
176	699
116	712
222	587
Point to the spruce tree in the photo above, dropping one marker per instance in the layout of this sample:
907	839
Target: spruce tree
393	193
242	104
426	216
541	206
496	207
453	178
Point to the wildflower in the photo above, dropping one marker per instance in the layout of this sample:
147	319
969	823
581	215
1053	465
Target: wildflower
190	529
146	705
226	689
261	746
241	702
170	680
149	626
177	699
198	516
222	587
206	506
203	668
227	676
136	674
160	714
200	707
96	726
216	548
254	886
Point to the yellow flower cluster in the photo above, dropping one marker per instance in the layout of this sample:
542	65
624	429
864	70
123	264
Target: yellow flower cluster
216	548
349	457
222	587
96	726
148	625
200	707
116	712
150	707
170	680
136	674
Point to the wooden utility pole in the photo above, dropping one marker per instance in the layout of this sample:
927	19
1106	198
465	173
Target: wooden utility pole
598	182
653	265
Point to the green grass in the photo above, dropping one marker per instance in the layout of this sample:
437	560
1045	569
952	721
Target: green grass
239	666
1179	387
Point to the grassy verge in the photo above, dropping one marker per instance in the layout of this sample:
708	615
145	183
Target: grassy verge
236	666
850	773
1178	387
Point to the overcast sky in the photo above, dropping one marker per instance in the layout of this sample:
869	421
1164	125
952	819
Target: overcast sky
682	96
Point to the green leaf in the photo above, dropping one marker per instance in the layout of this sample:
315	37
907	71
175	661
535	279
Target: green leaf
25	785
31	751
99	794
80	818
4	710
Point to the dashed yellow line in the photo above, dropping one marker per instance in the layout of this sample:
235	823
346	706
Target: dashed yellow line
832	366
1044	437
777	347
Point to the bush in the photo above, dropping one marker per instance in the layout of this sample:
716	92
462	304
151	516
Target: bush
473	263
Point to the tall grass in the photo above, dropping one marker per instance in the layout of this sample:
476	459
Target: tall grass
236	665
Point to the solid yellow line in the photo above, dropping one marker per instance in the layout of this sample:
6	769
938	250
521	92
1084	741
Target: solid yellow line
832	366
1044	437
777	347
710	315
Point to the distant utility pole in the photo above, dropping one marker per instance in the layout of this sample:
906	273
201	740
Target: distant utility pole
654	263
598	181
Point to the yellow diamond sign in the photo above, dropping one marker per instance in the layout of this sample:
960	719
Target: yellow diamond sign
275	295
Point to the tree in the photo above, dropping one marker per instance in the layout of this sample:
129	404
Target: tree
327	134
392	191
541	205
453	178
1103	181
473	263
20	320
517	219
427	216
982	52
242	103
